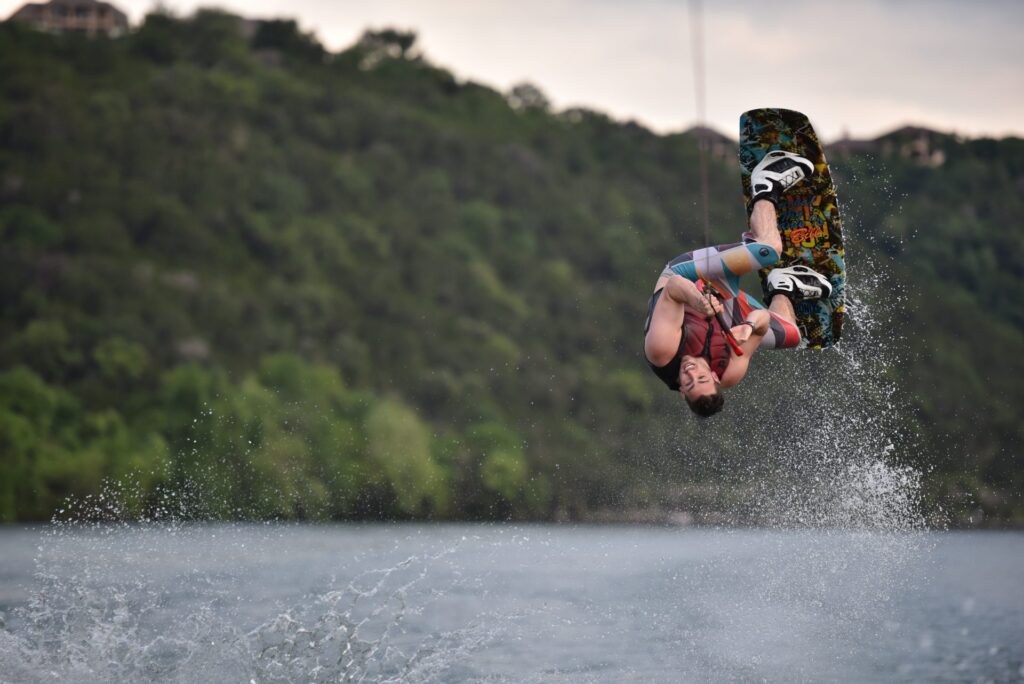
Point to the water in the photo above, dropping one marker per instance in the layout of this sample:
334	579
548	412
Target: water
503	603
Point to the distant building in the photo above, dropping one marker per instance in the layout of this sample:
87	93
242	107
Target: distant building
919	145
90	17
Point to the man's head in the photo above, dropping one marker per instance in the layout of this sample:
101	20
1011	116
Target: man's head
700	386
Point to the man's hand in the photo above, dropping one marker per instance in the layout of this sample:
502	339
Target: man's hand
758	321
709	306
742	332
685	291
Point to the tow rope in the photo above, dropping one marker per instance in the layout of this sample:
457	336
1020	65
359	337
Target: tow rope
697	34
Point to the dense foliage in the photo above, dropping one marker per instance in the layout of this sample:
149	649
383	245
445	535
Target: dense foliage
349	285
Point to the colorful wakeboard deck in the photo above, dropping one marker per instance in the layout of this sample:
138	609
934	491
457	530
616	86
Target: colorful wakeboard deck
808	215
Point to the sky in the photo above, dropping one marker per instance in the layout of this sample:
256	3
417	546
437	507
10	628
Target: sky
857	67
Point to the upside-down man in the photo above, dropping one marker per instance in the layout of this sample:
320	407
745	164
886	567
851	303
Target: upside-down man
685	342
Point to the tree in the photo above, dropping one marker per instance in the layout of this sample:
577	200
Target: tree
528	97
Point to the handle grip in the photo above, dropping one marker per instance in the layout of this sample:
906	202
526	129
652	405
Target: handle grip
729	337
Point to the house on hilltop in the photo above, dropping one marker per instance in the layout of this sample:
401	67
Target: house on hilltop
919	145
90	17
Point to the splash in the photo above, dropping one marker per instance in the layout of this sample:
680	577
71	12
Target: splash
827	440
162	601
353	635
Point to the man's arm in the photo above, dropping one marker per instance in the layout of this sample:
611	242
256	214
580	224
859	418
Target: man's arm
665	331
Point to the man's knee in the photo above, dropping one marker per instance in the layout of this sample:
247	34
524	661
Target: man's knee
764	253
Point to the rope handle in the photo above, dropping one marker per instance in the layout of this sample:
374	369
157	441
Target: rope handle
729	337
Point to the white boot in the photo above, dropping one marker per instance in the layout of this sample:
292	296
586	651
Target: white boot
798	283
777	172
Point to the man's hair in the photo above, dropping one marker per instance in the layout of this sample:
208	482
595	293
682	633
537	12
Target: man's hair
707	405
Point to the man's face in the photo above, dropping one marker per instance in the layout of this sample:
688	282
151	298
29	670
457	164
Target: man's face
696	379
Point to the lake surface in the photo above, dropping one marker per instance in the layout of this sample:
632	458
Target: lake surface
504	603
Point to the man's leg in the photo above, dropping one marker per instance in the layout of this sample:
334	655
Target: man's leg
723	265
783	332
782	307
798	280
764	225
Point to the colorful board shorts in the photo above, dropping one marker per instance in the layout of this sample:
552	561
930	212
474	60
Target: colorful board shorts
722	266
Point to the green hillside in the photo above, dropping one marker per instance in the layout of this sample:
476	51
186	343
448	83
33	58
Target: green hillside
275	281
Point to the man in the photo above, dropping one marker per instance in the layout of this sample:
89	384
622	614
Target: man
684	341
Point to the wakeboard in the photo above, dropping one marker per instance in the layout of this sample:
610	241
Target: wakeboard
808	217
